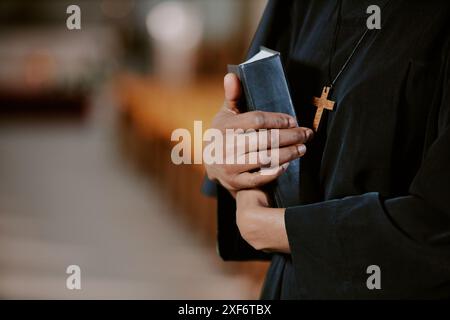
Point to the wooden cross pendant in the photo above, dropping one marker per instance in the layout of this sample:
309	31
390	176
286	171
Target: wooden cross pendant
321	104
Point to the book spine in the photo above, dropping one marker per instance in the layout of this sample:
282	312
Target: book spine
265	88
249	103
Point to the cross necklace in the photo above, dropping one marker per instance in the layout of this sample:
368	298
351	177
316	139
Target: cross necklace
322	102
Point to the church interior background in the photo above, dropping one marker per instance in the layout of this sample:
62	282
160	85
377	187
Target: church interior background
86	117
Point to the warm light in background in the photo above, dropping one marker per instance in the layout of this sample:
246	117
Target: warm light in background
175	23
176	28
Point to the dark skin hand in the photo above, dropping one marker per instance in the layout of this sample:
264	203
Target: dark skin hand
260	225
292	139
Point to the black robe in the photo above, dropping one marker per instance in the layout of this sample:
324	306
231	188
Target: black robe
375	182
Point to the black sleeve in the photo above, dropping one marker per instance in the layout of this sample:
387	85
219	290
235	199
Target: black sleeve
230	244
408	237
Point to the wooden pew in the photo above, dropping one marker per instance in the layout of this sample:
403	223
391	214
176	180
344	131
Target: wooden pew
153	111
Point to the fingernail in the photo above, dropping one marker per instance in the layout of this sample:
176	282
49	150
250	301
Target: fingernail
301	149
292	122
231	110
309	134
284	166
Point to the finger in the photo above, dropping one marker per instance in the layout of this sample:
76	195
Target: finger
265	139
261	120
248	180
232	88
269	158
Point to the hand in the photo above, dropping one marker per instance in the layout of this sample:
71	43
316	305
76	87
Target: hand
261	226
291	141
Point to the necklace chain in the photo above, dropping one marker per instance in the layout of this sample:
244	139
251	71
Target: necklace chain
358	43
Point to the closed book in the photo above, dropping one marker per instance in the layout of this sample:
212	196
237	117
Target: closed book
266	89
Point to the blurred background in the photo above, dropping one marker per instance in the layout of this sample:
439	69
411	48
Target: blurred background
85	172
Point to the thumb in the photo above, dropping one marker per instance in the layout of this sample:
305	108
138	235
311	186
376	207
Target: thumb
232	87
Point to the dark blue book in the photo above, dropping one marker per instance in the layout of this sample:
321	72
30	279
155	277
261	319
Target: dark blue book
266	89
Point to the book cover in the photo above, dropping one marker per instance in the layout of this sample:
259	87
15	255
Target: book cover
266	89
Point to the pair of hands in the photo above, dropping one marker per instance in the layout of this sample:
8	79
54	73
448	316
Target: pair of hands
261	226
